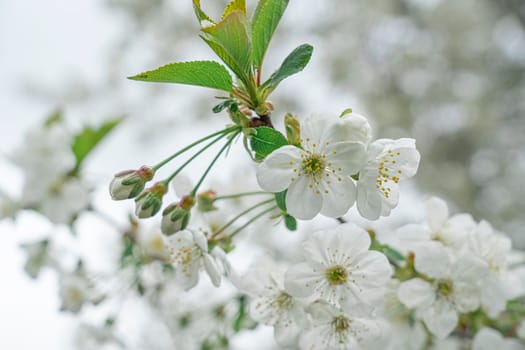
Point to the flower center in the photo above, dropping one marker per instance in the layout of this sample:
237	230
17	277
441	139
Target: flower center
386	173
444	288
341	324
284	301
313	164
336	275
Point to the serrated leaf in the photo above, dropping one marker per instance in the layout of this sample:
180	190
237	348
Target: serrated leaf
85	141
280	200
229	39
290	222
264	22
201	16
265	141
209	74
234	5
292	64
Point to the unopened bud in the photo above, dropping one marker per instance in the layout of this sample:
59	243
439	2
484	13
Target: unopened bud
293	129
205	201
177	216
129	183
270	106
148	203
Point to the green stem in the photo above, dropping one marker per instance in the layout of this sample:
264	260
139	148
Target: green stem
239	195
168	180
178	153
196	188
238	216
252	220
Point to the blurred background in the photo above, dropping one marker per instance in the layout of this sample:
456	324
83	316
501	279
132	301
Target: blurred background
450	74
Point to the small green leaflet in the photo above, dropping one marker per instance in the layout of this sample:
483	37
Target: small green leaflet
292	64
85	141
200	73
265	141
201	16
264	22
234	5
290	222
280	200
54	118
230	41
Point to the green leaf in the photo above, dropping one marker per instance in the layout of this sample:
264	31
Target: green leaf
234	5
87	139
292	64
201	16
53	118
280	200
230	41
265	141
225	104
264	22
200	73
290	222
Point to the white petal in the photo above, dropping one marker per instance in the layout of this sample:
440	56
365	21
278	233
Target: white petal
441	318
437	213
300	280
373	271
210	265
368	201
431	259
348	156
200	240
487	339
416	293
188	275
338	197
352	127
302	201
286	335
352	238
275	172
469	269
466	296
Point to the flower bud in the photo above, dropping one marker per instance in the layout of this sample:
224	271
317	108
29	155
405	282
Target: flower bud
148	203
293	129
177	216
205	201
129	183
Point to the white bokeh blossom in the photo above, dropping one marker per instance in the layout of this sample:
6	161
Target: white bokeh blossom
188	252
454	288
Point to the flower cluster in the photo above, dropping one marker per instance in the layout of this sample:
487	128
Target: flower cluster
328	301
320	173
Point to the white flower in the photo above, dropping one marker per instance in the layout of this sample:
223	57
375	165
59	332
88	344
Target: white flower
339	329
318	176
339	268
490	339
65	200
154	245
48	153
450	231
189	250
272	305
75	290
389	161
493	248
454	288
